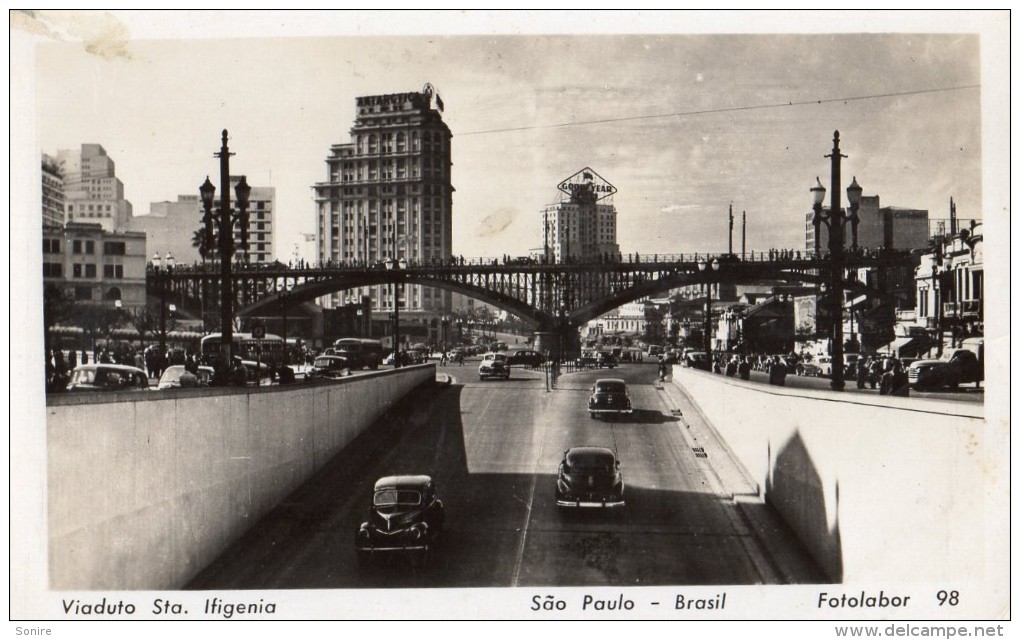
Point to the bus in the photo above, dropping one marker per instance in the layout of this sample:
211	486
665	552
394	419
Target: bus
269	350
360	352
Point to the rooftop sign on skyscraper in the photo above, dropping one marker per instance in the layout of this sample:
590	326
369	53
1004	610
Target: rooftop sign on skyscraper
587	179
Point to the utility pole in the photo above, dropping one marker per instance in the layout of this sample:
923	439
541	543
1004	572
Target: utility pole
743	238
730	252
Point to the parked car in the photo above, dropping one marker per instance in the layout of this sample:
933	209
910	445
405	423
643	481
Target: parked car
329	367
809	368
525	357
609	397
589	477
494	365
955	367
824	364
171	378
695	360
107	377
405	517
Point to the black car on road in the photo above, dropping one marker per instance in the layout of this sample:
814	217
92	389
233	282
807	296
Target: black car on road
609	397
405	517
589	477
526	357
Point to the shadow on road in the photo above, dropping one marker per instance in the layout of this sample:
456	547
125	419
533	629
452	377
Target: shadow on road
502	529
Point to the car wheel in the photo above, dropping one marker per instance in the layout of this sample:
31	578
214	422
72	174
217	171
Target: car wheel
592	415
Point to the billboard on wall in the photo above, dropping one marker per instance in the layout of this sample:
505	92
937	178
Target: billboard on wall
805	312
587	179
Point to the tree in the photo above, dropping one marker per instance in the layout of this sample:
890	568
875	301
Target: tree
198	241
143	321
95	320
57	307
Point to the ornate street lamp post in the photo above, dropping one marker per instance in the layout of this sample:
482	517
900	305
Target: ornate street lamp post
835	220
703	266
164	271
226	219
394	264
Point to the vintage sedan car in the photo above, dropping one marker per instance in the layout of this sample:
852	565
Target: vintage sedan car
606	360
329	367
589	477
405	517
107	377
526	357
609	397
494	365
171	378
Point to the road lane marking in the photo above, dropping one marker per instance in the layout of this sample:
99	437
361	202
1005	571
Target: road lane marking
519	559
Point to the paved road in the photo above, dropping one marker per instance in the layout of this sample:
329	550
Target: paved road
494	448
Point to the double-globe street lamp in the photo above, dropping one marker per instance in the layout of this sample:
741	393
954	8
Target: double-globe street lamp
835	220
164	272
226	220
703	266
394	264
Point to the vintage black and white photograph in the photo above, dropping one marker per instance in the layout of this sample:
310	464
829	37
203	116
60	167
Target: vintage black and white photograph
497	315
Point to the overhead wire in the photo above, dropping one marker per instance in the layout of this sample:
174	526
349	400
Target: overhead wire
776	105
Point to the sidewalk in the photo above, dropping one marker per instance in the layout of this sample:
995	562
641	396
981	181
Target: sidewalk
784	559
735	483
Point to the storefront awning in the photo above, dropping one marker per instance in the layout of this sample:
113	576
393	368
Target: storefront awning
905	347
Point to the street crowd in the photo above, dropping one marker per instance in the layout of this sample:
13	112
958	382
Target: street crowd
885	373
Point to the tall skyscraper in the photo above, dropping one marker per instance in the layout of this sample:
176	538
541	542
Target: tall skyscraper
388	196
581	226
92	191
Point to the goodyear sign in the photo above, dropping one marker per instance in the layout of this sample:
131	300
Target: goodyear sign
586	180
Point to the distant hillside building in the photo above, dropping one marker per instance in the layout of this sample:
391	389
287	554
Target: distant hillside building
92	191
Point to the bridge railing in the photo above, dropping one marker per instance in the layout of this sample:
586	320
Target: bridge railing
769	255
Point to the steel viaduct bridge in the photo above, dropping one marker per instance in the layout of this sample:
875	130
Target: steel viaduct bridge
553	298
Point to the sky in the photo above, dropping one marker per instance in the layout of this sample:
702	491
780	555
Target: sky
683	124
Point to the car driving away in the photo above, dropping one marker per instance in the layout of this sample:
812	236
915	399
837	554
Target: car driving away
609	397
589	477
329	367
494	365
405	517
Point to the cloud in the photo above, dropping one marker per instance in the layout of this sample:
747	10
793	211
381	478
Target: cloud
674	208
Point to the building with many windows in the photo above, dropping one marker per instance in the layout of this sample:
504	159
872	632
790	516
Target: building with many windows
388	195
580	227
95	265
171	227
92	191
879	228
950	286
52	193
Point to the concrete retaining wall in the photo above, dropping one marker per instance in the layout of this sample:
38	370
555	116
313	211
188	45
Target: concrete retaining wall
146	488
877	488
